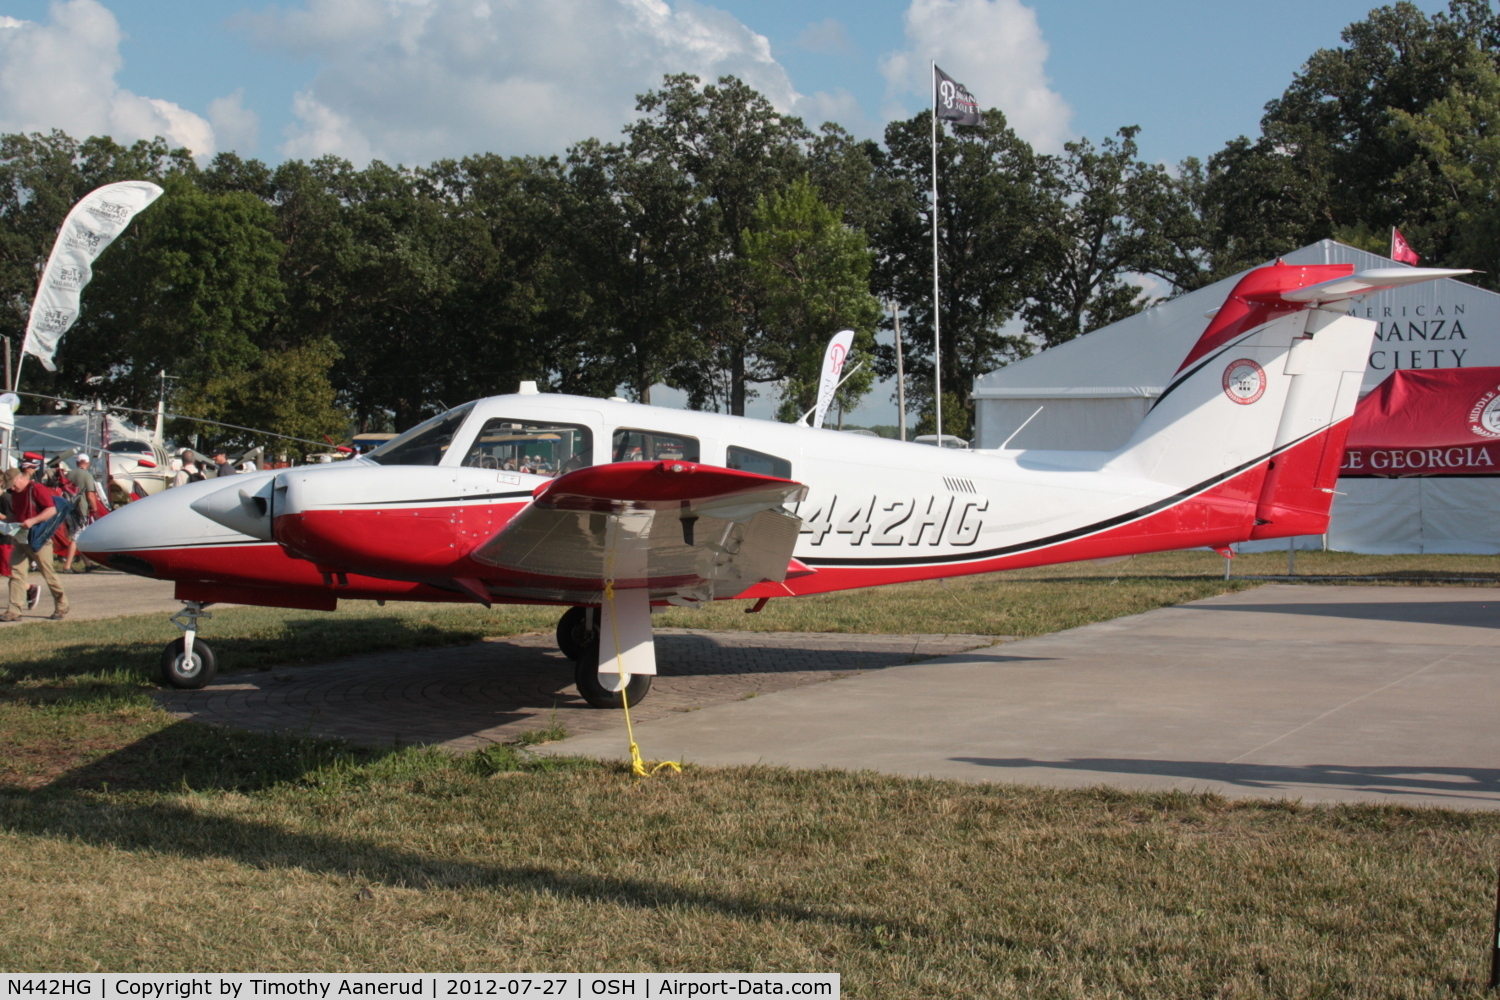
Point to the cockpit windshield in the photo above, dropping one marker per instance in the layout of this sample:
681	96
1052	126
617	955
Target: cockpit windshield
424	444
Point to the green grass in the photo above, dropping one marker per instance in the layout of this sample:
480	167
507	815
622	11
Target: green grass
413	860
133	842
1038	601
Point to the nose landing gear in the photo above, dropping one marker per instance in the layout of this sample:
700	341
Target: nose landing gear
187	662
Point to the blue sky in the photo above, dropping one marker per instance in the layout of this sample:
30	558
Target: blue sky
409	81
1193	74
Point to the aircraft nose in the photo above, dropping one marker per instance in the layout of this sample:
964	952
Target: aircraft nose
139	536
123	538
129	527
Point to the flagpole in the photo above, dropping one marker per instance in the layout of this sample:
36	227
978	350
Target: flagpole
900	371
937	339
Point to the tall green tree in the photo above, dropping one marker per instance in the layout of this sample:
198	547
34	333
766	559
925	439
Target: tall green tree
844	171
1112	219
1459	135
195	295
642	243
813	272
736	148
994	212
1333	159
1337	115
1252	201
517	309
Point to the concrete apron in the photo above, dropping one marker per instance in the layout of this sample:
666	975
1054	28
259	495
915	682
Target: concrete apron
1318	693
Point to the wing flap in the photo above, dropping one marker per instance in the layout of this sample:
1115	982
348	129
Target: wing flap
678	529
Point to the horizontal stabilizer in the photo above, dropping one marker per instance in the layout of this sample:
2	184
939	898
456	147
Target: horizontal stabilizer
1368	282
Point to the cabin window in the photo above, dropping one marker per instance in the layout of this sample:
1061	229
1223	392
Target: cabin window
631	445
758	462
542	448
424	444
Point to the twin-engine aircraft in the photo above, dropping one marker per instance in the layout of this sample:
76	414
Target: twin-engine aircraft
612	508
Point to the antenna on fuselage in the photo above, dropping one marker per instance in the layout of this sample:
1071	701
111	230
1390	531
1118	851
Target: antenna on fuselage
1018	429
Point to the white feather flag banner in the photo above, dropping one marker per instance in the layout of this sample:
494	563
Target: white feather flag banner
91	226
833	365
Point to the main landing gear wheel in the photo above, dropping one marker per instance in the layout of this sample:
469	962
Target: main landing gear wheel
577	630
586	676
181	671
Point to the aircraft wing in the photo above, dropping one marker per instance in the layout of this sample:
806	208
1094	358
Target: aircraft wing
684	531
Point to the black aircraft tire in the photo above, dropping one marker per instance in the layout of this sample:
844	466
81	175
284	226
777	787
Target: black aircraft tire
574	636
586	676
178	674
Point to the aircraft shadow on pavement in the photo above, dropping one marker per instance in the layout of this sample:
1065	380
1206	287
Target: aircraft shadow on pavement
1406	779
454	693
1474	614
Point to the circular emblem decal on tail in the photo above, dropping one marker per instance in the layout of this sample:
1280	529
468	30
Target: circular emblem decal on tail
1244	381
1484	415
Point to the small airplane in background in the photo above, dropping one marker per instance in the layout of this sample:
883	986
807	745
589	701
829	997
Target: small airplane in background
610	508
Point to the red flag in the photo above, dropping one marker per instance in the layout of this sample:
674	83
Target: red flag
1401	250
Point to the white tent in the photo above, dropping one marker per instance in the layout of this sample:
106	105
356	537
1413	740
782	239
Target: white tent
1094	390
1418	514
53	433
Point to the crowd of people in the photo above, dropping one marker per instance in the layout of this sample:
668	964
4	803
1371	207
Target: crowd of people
44	507
44	504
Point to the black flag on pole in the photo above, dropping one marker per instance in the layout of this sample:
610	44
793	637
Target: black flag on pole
953	101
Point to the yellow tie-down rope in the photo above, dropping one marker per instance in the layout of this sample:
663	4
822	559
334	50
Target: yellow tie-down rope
637	766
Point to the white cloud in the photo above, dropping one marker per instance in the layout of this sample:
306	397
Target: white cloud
993	47
235	126
62	75
413	80
324	132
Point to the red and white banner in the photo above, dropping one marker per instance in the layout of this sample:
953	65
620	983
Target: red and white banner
92	225
1428	423
834	357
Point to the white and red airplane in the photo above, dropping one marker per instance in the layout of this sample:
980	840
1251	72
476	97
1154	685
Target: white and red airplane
612	508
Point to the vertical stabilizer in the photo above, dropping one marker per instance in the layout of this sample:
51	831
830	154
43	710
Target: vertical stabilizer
1266	394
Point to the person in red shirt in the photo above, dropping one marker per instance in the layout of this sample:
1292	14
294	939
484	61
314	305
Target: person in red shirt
30	504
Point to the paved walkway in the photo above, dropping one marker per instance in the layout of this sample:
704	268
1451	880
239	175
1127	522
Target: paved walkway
1372	694
471	696
102	593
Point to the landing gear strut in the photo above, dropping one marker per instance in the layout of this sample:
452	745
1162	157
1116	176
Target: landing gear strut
188	662
578	638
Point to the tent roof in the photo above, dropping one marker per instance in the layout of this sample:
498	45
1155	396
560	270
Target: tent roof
1137	355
